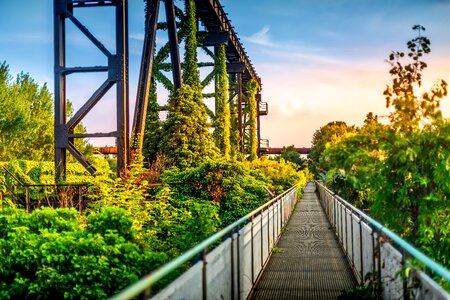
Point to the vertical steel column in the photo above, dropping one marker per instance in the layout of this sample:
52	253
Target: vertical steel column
117	69
122	85
258	121
145	74
173	40
239	93
59	36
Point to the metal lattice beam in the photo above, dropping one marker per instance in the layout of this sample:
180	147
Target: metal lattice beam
117	74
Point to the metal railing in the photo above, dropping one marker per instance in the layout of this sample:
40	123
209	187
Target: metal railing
33	196
232	268
367	245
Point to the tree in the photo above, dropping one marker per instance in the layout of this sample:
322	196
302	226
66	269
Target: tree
290	154
329	134
26	118
403	167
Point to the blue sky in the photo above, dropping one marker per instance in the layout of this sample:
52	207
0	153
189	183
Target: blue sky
319	60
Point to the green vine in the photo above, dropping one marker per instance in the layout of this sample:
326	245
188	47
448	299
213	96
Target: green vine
251	109
222	120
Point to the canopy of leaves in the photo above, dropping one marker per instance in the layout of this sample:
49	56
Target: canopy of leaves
401	171
327	135
26	118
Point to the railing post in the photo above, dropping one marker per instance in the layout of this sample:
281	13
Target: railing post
232	264
361	248
346	232
353	249
238	262
262	239
27	198
252	250
204	275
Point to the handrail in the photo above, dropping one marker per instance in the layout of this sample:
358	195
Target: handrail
150	279
428	262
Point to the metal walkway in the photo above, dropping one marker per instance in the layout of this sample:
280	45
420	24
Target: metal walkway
308	262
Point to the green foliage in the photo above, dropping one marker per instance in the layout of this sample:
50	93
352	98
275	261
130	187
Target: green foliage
401	171
191	75
279	175
359	292
187	140
26	118
50	255
228	184
222	119
152	131
235	136
251	142
323	138
290	154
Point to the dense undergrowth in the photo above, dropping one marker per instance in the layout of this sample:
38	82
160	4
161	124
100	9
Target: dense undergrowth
133	225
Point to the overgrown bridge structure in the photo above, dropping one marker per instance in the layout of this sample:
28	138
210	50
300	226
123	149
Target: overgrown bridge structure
217	31
286	249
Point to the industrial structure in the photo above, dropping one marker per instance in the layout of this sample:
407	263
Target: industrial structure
219	30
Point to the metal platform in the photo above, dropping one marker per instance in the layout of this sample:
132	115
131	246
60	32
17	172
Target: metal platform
308	262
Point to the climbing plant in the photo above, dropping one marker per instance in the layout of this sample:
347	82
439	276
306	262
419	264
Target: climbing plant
152	132
235	136
222	119
251	109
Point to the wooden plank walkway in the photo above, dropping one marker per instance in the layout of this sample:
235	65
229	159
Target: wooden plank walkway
308	262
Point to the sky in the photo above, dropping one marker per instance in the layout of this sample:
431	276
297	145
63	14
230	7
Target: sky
319	61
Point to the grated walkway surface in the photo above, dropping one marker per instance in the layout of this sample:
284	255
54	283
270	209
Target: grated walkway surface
309	262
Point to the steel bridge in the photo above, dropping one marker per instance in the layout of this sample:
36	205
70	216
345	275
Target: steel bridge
219	30
311	249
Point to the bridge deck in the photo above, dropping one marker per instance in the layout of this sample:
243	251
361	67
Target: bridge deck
309	263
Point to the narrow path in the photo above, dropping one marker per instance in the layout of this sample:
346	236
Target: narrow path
308	262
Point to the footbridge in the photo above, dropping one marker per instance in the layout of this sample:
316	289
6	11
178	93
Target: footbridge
308	249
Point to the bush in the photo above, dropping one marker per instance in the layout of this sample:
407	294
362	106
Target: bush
50	255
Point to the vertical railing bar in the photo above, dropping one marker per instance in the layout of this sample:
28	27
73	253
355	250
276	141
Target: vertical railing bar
268	231
373	254
379	260
273	224
238	263
346	232
281	219
232	263
262	239
27	198
353	249
361	248
204	276
252	250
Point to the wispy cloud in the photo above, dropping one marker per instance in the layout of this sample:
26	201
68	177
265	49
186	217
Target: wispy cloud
289	51
136	36
260	38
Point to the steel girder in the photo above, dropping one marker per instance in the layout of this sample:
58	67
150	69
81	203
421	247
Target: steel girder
148	54
117	69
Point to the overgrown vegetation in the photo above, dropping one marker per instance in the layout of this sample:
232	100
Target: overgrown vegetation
400	171
148	216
